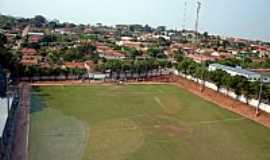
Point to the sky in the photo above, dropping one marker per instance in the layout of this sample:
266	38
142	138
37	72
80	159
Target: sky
236	18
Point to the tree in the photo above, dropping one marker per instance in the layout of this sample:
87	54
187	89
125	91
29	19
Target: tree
179	56
126	67
163	42
226	79
2	83
153	52
161	28
183	66
7	22
236	84
9	60
114	66
218	78
3	39
201	73
192	67
247	90
147	28
52	25
205	35
48	38
133	53
39	21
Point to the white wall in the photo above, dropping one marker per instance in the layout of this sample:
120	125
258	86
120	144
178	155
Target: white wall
252	102
4	113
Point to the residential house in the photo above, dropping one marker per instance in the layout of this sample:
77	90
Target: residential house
35	37
30	56
200	58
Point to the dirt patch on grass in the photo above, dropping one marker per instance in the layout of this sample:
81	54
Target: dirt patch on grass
173	130
114	139
54	135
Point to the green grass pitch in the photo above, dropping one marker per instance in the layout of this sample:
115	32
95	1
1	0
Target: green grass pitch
139	122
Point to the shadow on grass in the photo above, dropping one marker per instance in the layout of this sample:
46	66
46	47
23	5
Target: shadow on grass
37	101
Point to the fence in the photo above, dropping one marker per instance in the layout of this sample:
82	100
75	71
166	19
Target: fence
98	76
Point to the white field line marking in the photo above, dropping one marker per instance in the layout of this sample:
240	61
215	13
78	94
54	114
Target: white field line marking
136	116
160	103
84	143
129	128
60	134
221	121
160	91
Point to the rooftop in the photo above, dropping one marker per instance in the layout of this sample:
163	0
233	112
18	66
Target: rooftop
234	69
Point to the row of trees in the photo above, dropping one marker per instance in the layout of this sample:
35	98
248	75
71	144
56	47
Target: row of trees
245	63
238	84
137	66
9	59
36	71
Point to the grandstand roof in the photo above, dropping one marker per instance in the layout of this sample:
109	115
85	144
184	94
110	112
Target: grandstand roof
236	70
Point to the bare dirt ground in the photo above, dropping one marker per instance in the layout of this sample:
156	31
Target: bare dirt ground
208	94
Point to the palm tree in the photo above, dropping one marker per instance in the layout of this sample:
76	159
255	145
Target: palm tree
192	67
200	73
184	65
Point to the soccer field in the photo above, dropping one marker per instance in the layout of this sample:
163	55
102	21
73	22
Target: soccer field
139	122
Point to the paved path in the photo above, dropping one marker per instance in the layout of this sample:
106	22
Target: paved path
20	146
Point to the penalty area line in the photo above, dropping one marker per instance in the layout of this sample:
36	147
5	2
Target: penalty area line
160	103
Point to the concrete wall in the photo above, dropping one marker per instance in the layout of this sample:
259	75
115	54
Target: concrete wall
4	113
252	102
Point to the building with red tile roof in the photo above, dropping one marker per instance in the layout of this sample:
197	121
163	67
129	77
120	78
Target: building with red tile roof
29	56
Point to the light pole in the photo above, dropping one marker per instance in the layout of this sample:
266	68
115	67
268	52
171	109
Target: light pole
202	81
260	97
7	88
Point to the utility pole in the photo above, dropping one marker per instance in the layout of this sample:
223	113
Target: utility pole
7	90
185	16
199	4
260	97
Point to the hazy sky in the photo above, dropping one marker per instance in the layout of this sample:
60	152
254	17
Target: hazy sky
239	18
